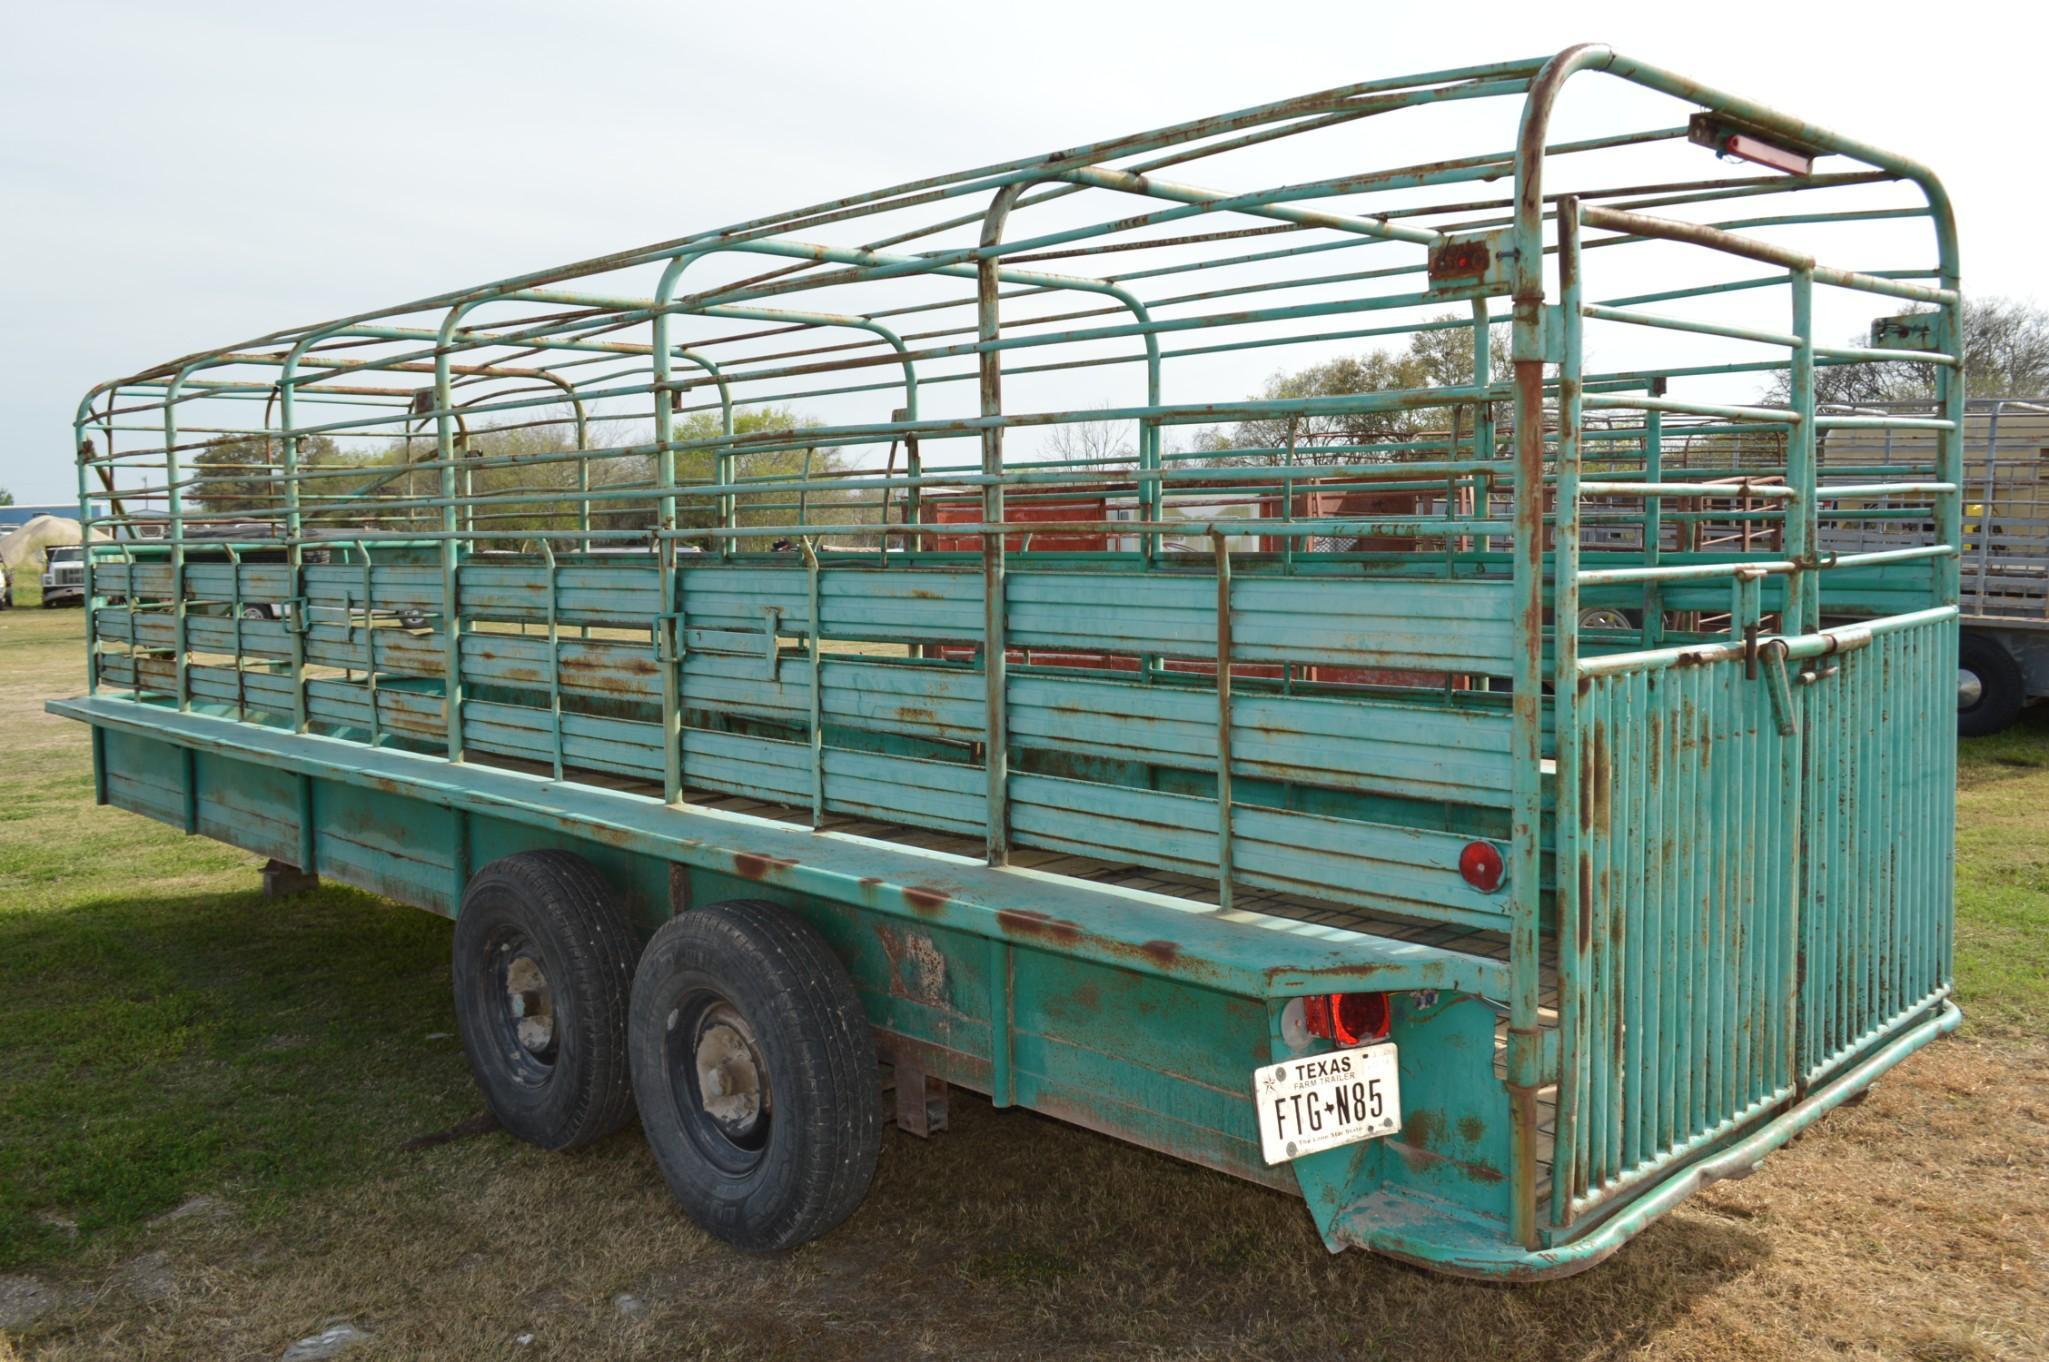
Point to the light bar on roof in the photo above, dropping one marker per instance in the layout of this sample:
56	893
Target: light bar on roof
1748	144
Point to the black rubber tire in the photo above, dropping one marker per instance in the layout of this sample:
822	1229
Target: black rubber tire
817	1154
554	908
2001	690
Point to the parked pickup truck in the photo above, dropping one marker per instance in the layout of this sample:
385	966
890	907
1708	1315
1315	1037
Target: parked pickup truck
64	577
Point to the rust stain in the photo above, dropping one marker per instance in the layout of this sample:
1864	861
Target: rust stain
1418	1159
753	867
1027	923
925	899
1586	897
917	969
1471	1128
1161	953
1603	777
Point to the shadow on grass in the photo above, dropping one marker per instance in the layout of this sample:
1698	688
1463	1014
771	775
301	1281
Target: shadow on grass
162	1047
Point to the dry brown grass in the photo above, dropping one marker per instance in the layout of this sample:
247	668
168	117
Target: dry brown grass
1914	1227
1911	1227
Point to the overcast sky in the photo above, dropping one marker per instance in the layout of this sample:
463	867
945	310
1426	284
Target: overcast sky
180	176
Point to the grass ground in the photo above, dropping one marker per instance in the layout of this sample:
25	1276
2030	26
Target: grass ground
206	1104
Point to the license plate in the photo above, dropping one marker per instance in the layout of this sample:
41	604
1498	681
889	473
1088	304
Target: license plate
1327	1100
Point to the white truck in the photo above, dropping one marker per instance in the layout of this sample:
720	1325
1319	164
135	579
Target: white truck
64	576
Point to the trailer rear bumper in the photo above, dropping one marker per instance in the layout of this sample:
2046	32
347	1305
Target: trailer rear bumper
1417	1230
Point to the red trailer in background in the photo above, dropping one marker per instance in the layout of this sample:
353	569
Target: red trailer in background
1328	500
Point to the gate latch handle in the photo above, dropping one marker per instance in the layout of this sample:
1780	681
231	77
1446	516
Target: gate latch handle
1772	652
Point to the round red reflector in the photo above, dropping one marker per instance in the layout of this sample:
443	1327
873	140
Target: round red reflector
1480	864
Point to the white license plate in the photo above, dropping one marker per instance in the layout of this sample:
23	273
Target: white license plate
1327	1100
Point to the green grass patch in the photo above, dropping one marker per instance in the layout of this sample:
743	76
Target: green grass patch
170	1032
2003	877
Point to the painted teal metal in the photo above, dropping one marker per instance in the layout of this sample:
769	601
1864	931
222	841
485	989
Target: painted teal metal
1098	719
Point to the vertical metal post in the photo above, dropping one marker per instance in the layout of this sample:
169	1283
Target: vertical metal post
665	546
1803	453
813	630
1288	495
1653	527
1525	1038
81	445
295	556
174	506
1483	376
1225	848
451	547
1574	890
370	644
1950	388
583	477
995	640
134	628
554	654
914	502
235	605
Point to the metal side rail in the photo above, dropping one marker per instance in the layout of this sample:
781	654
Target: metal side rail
1247	953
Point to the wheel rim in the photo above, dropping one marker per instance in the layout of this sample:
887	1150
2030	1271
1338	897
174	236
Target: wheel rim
720	1082
523	1006
1970	688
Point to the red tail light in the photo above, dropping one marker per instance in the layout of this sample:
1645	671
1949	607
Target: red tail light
1480	864
1347	1018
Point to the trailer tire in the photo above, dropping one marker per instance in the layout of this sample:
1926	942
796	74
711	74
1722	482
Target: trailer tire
755	1073
2000	690
543	960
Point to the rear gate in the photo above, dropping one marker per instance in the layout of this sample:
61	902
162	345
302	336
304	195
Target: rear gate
1717	964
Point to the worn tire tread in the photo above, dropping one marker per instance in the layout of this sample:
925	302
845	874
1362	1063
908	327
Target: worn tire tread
582	920
829	1053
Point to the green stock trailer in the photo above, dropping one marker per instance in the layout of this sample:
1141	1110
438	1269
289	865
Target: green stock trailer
875	649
